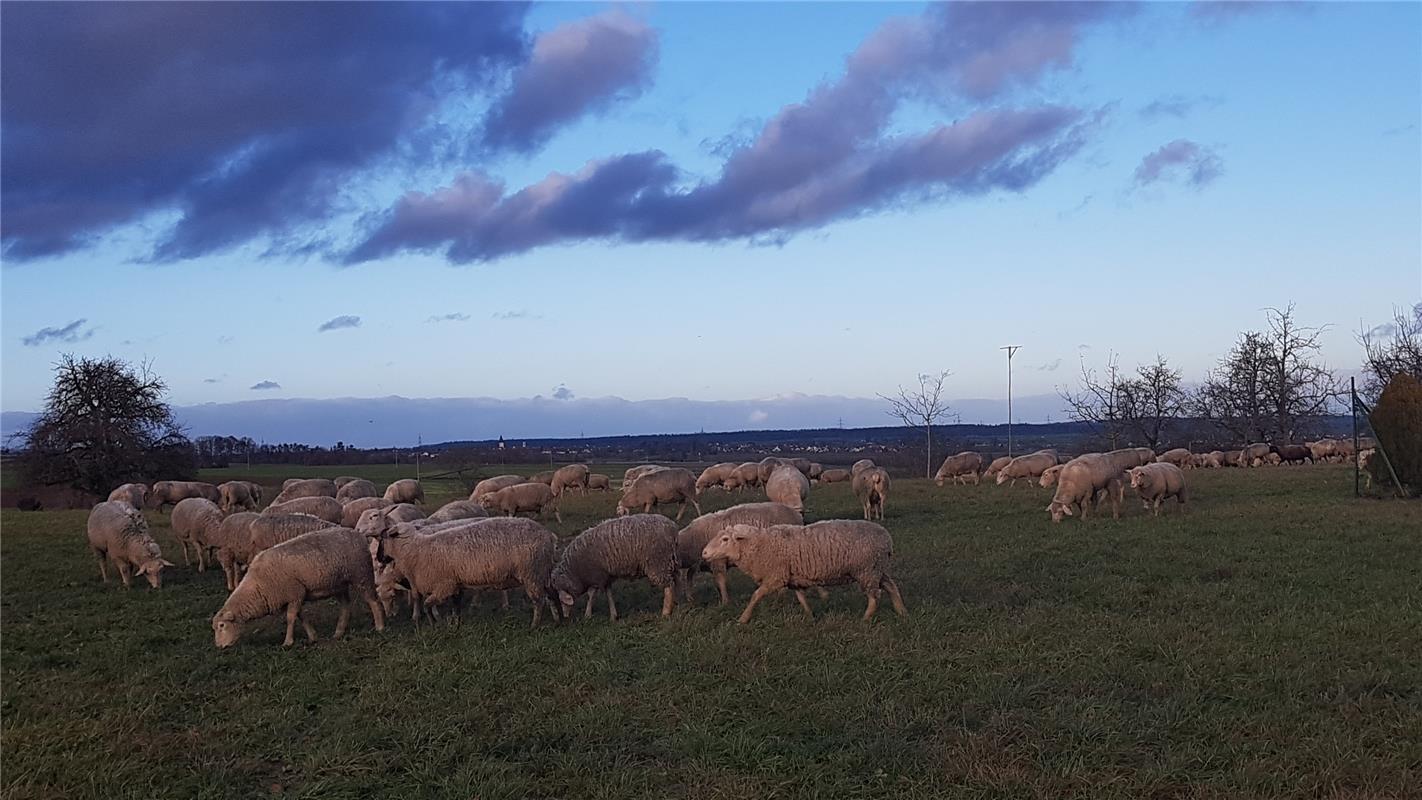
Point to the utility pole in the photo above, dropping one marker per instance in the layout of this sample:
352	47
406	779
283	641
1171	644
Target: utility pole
419	445
1011	350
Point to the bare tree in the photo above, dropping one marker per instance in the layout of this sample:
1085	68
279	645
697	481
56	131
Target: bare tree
1153	401
1100	402
921	406
1392	348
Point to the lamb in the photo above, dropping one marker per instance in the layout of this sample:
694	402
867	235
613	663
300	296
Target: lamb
1179	456
788	486
327	508
312	566
744	476
573	476
458	509
305	487
834	476
1049	478
638	545
714	475
168	493
1156	482
597	482
1030	467
235	495
535	497
135	494
500	553
192	518
1079	482
407	490
118	532
356	489
963	467
694	537
661	487
229	538
766	466
871	486
491	485
861	465
350	512
799	557
996	466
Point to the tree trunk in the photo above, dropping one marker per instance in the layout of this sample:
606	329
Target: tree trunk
928	430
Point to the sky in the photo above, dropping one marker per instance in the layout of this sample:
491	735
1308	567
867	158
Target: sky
711	201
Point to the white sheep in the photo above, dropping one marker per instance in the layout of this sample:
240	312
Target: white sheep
118	532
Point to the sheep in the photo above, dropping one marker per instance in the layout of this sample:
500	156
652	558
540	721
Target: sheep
312	566
305	487
714	475
1253	455
816	470
490	485
266	530
744	476
1295	454
799	557
597	482
861	465
511	500
1321	450
633	473
1179	456
192	518
289	482
1156	482
766	466
1049	477
231	536
236	495
118	532
996	466
802	464
403	512
545	478
634	546
963	467
1079	482
664	486
1231	458
1030	467
871	486
573	476
788	486
135	494
406	490
355	489
499	553
327	508
343	480
458	509
834	476
168	493
1128	457
692	539
350	512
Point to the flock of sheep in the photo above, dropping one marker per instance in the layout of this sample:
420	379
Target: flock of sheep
344	538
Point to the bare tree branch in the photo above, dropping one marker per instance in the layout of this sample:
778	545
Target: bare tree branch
920	407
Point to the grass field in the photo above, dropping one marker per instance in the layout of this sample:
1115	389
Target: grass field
1266	644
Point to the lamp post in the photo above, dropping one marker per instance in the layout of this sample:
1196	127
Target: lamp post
1011	350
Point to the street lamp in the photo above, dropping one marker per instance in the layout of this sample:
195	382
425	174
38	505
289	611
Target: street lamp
1011	350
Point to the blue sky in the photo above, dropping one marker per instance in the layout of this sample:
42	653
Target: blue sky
1305	125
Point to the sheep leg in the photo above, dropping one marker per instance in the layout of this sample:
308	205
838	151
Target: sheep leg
123	571
611	604
587	612
681	509
760	593
183	543
202	557
873	595
805	604
696	506
537	608
103	568
377	612
683	579
894	596
504	600
345	618
293	610
668	600
720	576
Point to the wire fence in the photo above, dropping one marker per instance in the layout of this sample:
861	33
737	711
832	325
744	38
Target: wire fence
1367	445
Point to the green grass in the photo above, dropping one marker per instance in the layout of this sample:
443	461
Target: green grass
1268	643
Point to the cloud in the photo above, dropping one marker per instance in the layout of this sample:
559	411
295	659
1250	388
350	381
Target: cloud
1399	130
1198	164
562	392
71	333
1083	347
455	317
512	315
1218	12
215	380
264	385
1177	106
1050	366
1387	330
576	68
830	157
758	416
246	119
335	323
226	339
1076	209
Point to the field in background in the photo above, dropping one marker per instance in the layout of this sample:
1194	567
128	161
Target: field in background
1266	643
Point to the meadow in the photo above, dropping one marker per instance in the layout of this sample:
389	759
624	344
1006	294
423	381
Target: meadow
1268	643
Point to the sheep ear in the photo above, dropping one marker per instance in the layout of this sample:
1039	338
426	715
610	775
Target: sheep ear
168	563
566	598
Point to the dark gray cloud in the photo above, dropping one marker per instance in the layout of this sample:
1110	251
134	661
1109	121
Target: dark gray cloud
562	392
73	332
576	68
336	323
245	118
212	380
827	158
454	317
1196	164
1177	106
264	385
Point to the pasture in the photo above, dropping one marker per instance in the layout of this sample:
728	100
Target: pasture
1268	643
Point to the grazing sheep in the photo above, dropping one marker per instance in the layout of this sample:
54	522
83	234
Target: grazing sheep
289	482
788	486
573	476
168	493
1272	458
267	530
964	467
835	476
491	485
816	470
231	536
403	512
871	486
545	478
1155	482
664	486
1253	455
327	508
1179	456
1128	457
1079	482
135	494
1029	467
305	487
1049	478
118	532
800	557
639	545
1323	450
633	473
481	554
343	480
236	495
406	490
356	489
766	466
312	566
1212	460
694	537
458	509
802	464
745	476
597	482
714	475
861	465
511	500
350	512
192	519
1232	457
1295	454
996	466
